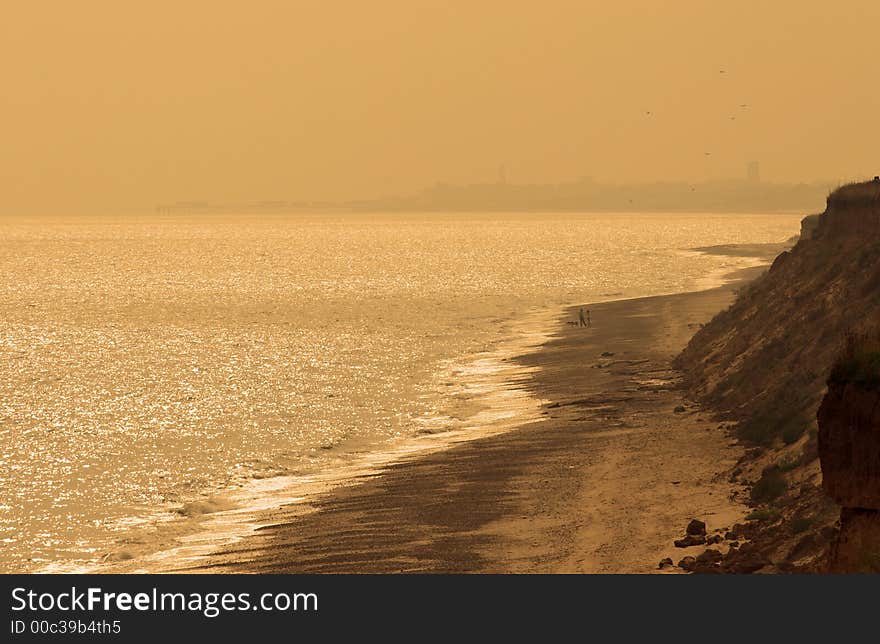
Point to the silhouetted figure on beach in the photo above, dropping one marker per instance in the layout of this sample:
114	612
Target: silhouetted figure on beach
584	318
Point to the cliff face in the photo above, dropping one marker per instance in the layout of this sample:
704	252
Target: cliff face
765	360
764	364
849	446
809	224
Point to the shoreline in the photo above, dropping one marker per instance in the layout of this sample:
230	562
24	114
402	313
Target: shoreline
483	405
602	482
496	396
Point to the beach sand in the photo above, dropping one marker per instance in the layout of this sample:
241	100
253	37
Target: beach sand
603	484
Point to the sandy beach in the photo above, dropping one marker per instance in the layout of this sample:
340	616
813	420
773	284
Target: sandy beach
603	484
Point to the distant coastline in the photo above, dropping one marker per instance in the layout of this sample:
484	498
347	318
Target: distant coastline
586	195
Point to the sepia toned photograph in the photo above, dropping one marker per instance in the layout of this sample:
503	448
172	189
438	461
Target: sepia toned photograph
436	287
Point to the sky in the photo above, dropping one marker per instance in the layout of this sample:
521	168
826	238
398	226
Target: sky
116	106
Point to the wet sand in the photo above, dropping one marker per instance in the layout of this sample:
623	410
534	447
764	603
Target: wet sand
602	484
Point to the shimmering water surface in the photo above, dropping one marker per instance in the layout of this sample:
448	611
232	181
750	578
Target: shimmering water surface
148	364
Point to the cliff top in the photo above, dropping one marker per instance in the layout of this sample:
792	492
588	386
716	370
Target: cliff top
855	194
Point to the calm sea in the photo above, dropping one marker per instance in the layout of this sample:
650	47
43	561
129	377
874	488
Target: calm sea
149	366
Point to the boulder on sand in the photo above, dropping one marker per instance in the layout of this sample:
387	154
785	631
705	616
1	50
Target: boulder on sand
687	563
708	563
709	556
696	527
690	540
695	535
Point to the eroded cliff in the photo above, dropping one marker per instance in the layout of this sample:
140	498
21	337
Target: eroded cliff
764	363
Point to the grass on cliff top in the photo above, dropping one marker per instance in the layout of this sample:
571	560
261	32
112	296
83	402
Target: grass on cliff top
862	193
859	361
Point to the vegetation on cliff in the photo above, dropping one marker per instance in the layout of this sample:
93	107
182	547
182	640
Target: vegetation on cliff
855	195
859	361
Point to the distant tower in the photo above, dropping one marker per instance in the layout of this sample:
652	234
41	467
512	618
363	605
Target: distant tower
754	172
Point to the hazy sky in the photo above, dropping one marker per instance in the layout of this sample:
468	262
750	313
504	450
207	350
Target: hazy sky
108	106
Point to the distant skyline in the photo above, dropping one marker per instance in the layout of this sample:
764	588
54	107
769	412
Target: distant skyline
744	194
109	107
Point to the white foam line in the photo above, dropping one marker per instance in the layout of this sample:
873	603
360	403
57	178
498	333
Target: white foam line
487	377
723	275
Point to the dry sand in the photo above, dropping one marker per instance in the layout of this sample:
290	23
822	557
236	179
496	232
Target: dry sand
603	484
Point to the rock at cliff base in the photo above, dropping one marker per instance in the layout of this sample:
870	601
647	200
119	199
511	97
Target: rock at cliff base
696	527
709	556
745	560
687	563
742	531
690	540
665	563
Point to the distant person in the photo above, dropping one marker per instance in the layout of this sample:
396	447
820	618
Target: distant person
589	321
582	319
